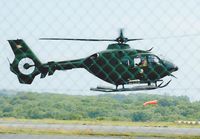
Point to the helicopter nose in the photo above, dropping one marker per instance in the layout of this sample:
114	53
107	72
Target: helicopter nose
170	66
176	68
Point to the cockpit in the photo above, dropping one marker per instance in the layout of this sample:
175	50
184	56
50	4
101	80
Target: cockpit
144	60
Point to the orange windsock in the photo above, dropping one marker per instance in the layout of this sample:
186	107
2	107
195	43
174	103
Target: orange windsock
153	102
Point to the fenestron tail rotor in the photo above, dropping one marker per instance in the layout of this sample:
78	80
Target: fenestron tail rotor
26	66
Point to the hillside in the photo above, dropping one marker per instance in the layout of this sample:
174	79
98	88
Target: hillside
101	107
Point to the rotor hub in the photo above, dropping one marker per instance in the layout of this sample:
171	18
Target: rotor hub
121	40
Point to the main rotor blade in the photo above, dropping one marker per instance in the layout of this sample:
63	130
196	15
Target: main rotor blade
165	37
173	37
135	39
71	39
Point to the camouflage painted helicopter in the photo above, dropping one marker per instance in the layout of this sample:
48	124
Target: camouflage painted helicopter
118	64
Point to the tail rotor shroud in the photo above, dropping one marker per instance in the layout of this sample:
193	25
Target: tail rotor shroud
25	64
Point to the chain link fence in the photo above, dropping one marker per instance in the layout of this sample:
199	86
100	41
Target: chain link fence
151	20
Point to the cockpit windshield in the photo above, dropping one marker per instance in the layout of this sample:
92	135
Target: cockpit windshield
164	58
153	59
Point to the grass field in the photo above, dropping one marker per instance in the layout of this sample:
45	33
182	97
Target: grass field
5	130
12	130
103	122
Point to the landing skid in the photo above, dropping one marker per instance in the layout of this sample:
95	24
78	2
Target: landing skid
135	88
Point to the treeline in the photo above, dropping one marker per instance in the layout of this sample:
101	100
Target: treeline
101	107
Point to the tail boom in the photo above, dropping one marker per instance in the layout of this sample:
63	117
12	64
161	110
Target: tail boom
50	67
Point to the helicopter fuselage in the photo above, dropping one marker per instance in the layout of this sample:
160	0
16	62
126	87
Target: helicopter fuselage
125	66
120	65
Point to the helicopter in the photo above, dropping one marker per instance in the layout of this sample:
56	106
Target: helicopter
119	65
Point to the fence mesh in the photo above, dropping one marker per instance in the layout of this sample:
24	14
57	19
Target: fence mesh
151	20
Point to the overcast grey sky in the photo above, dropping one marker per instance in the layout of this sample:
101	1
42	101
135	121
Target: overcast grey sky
32	19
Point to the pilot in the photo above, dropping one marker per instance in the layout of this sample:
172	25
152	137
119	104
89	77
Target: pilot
143	62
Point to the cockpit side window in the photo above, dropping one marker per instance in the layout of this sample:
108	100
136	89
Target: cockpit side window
126	61
137	60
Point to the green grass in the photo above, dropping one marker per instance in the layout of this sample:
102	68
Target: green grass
103	122
6	130
12	130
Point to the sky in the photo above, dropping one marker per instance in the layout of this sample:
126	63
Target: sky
32	19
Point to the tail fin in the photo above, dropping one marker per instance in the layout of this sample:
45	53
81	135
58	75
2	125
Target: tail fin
25	65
